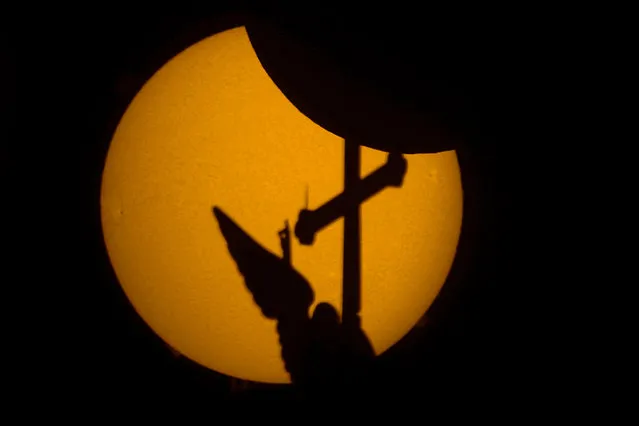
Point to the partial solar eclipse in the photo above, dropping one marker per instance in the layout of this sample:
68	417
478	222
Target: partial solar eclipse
210	128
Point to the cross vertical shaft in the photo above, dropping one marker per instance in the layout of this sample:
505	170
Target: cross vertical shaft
352	246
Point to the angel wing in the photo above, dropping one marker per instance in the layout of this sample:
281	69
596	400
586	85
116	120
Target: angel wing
276	286
281	292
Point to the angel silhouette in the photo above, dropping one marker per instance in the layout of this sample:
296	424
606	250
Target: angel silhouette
319	353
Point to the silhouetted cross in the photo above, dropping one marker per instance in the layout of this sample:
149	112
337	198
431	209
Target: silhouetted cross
347	205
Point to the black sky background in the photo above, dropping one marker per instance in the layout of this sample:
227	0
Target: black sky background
77	74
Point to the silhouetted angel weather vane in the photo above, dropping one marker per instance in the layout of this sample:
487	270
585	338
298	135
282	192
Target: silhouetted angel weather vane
320	351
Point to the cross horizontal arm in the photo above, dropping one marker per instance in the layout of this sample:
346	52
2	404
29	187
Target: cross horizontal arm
312	221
